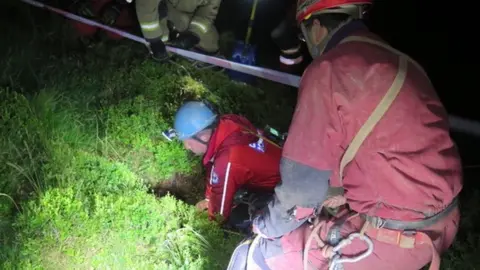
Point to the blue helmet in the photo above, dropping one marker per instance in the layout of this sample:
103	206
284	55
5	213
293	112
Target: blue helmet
193	117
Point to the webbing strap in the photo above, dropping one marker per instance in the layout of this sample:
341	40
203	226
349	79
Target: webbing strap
251	265
375	117
385	46
232	264
381	108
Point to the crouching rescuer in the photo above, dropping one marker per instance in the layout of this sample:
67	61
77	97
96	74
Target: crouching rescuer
369	122
186	24
235	155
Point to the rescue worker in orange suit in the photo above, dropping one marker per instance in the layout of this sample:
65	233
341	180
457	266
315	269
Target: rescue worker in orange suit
184	24
367	120
234	156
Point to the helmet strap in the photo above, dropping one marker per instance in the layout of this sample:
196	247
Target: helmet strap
317	49
213	126
196	138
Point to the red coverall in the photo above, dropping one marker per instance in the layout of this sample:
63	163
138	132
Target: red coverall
406	169
238	159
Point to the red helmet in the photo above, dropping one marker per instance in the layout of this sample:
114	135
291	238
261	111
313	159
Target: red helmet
305	8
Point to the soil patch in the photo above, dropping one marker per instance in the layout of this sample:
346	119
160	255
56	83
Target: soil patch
188	188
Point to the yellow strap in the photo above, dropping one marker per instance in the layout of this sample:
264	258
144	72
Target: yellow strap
247	130
385	46
381	108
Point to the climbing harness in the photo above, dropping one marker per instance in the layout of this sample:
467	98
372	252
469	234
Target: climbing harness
411	225
331	250
338	260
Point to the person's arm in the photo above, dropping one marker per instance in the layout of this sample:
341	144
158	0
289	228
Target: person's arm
308	157
302	190
221	188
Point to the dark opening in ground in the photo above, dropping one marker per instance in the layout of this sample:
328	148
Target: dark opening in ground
187	188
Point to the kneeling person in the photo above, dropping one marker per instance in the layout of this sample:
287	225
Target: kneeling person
234	155
192	25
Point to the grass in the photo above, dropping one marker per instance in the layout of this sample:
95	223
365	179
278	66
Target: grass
81	149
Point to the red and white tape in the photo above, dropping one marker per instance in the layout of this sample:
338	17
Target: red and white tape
264	73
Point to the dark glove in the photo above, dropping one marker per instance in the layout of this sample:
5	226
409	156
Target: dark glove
186	40
84	9
158	50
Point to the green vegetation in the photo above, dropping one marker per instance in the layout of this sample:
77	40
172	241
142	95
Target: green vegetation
81	151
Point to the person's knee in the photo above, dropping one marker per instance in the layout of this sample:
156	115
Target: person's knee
179	19
209	41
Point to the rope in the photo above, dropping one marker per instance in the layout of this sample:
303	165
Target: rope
326	249
332	252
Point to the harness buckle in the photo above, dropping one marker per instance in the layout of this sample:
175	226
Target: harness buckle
377	222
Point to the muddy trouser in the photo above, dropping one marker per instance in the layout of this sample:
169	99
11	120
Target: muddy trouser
390	250
153	21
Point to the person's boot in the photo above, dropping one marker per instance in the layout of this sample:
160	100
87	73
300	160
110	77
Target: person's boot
291	62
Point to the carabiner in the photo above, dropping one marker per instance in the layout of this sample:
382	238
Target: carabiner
336	259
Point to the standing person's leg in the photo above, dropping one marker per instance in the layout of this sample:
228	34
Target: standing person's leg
152	16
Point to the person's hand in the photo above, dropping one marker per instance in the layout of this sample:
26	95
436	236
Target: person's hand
202	205
158	50
185	40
